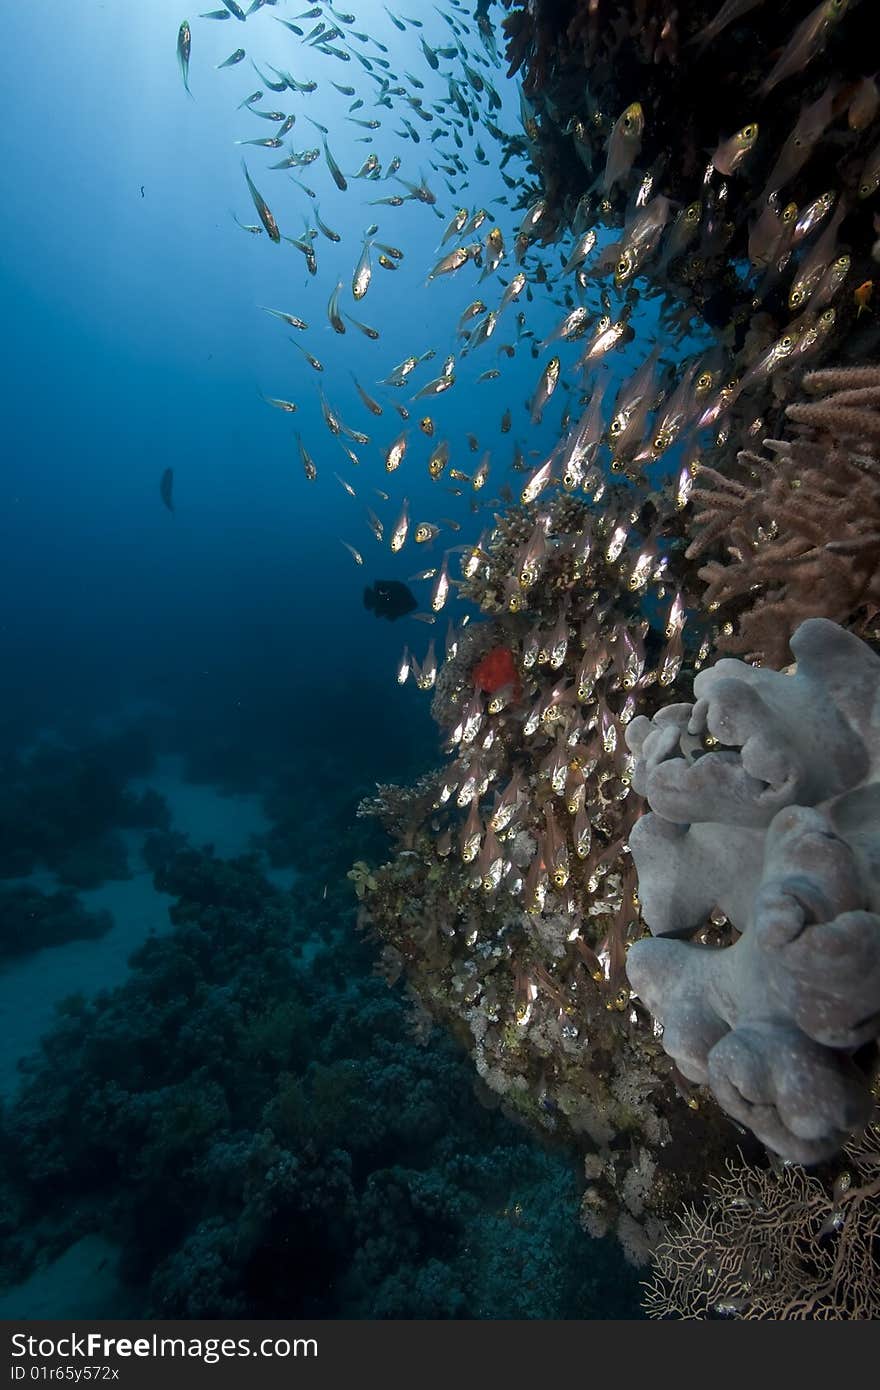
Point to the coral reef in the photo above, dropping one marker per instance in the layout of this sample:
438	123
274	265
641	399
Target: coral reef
801	528
61	806
248	1120
777	1243
31	919
512	919
764	811
692	169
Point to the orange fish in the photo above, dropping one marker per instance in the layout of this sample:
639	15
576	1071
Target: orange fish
862	296
496	670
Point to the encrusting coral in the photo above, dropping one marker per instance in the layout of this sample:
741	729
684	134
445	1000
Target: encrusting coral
766	809
801	528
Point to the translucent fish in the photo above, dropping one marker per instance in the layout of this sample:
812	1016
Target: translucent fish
348	487
308	462
395	452
439	459
808	39
370	166
184	49
279	404
447	264
373	406
454	226
435	387
363	273
440	591
546	386
864	104
624	144
263	210
579	252
324	229
472	311
401	528
730	153
364	328
399	374
336	173
355	554
333	313
731	10
536	483
313	362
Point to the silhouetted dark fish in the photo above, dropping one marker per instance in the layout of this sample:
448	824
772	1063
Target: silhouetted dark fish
166	488
390	599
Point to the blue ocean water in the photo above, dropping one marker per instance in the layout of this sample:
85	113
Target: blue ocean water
226	645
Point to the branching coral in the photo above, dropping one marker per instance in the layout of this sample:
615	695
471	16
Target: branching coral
777	1243
801	528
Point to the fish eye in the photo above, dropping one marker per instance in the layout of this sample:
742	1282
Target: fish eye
749	132
787	342
704	381
828	316
693	212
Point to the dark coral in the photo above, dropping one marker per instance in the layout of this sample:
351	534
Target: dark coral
248	1120
31	919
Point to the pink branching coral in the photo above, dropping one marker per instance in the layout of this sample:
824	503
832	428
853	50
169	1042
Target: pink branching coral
801	528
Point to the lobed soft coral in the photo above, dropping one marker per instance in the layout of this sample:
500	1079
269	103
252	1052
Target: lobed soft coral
764	811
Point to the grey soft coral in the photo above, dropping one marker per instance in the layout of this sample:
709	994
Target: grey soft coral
765	805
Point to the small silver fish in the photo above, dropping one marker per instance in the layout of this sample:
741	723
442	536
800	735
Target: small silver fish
338	177
624	144
184	48
547	384
808	39
233	58
263	210
355	554
731	152
333	313
363	273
